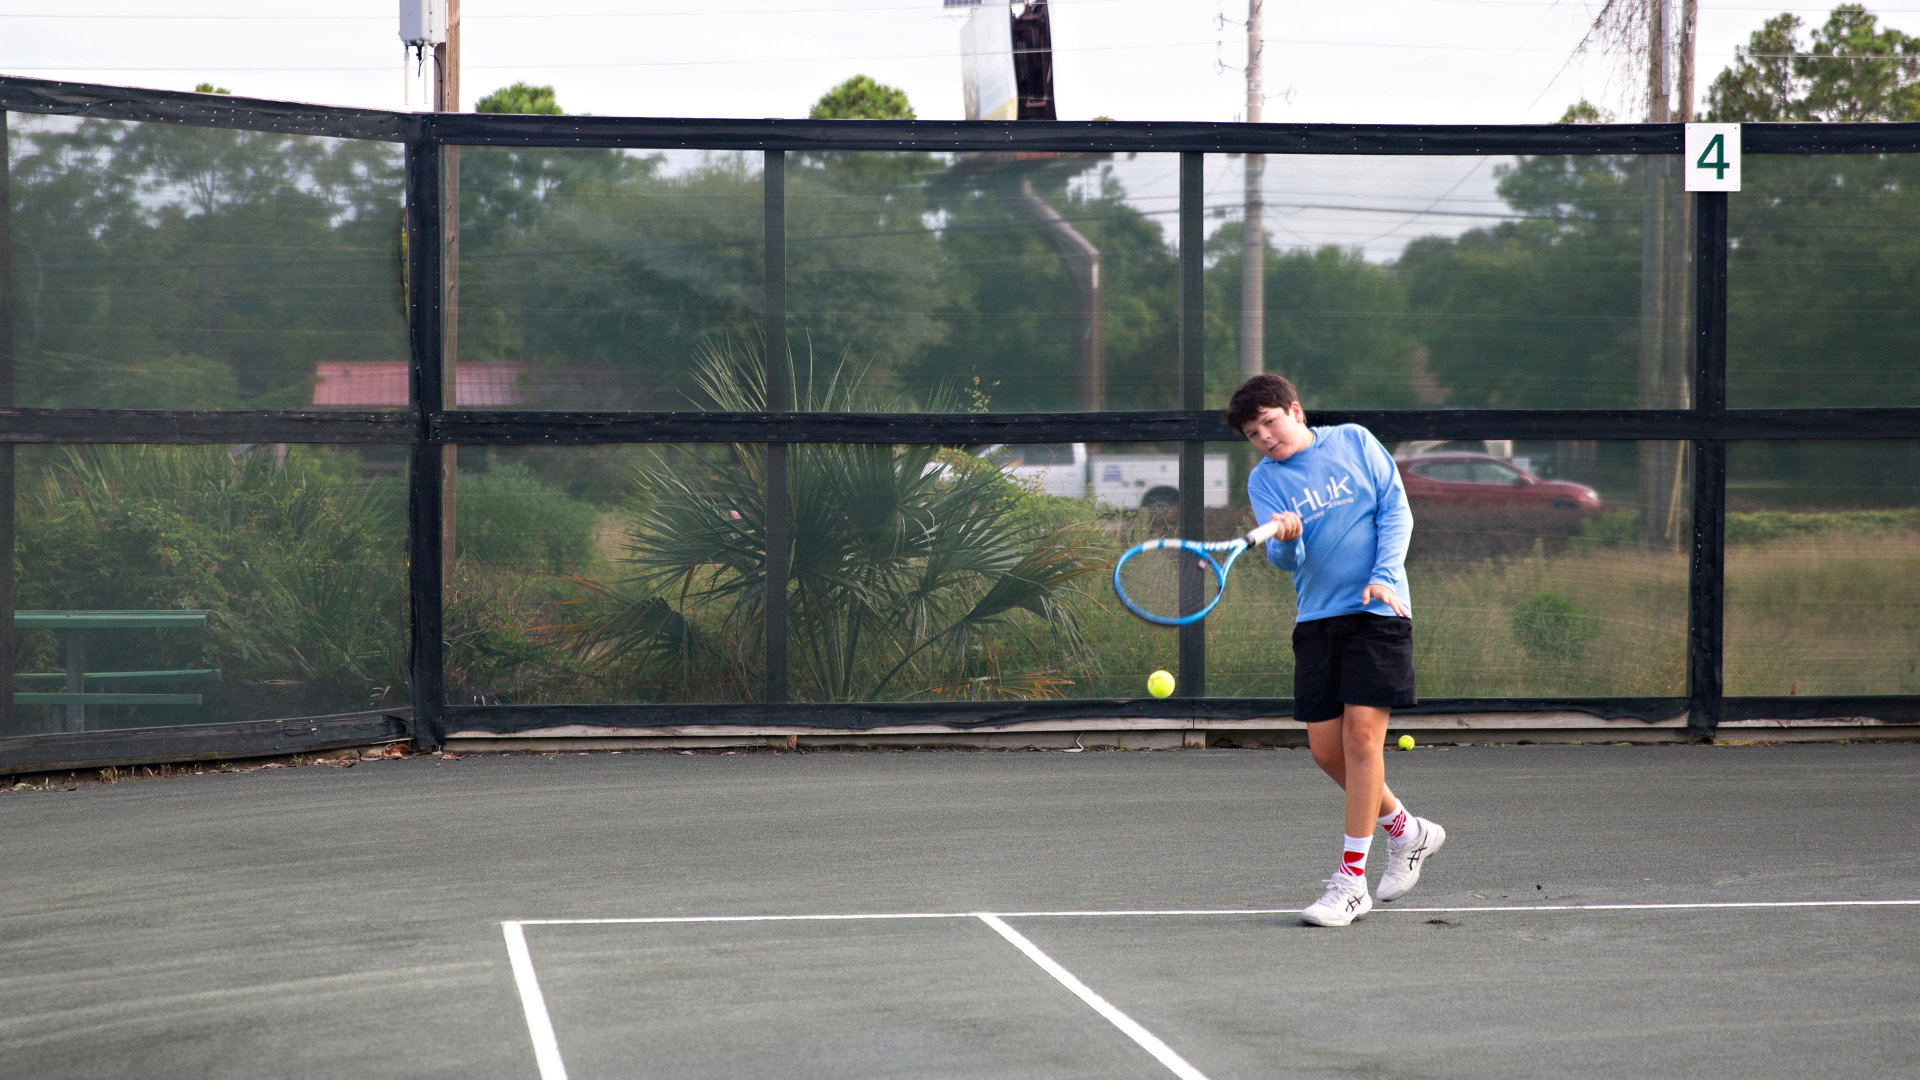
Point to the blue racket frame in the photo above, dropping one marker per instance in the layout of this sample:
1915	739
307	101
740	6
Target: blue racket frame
1205	551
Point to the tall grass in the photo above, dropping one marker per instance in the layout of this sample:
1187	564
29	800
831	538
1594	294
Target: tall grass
1832	613
1470	630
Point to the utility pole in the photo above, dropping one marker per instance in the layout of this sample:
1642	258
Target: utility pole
1665	315
1653	293
1679	245
1689	17
446	98
1253	255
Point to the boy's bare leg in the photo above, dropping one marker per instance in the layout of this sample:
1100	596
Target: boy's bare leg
1363	737
1328	744
1350	750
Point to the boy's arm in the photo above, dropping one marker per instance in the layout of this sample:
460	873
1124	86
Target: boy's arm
1285	554
1393	518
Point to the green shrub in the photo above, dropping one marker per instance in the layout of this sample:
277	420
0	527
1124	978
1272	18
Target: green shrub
508	517
1550	627
1611	529
500	648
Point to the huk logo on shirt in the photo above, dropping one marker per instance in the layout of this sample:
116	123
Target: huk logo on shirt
1314	502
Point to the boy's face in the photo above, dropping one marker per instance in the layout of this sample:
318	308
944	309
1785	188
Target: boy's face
1279	433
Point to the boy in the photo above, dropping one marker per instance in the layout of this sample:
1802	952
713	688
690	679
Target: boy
1343	536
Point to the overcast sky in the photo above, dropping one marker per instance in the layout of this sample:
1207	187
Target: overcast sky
1390	61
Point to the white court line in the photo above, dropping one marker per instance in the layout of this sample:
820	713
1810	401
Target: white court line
1148	1041
1114	913
546	1049
748	918
1702	906
1709	906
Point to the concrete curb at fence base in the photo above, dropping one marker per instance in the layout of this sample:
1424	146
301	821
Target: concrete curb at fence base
1150	734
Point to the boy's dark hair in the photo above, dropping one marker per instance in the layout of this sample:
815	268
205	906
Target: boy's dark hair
1257	395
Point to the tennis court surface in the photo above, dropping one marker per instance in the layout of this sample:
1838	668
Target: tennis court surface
1598	912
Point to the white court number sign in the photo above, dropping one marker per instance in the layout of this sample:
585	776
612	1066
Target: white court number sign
1713	157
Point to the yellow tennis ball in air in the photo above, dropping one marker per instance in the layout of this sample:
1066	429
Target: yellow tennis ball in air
1160	683
1406	742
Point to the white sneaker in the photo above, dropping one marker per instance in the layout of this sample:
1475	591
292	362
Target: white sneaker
1345	901
1405	860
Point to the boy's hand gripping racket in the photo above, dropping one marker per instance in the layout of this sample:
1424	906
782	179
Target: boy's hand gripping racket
1176	582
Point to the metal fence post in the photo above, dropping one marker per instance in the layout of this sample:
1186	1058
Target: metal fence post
1706	601
1193	392
774	331
9	590
425	592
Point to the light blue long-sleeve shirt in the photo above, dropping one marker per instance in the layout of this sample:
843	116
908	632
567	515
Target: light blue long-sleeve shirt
1355	519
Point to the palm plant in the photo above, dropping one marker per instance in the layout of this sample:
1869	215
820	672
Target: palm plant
914	570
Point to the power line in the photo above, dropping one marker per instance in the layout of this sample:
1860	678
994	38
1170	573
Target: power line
622	64
791	60
1419	46
873	9
920	8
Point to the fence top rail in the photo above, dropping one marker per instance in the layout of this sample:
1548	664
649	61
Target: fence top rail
1065	136
100	101
665	133
535	428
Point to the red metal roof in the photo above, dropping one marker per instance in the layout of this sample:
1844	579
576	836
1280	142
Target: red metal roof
477	385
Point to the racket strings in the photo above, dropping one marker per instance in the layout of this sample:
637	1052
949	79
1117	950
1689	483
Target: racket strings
1172	583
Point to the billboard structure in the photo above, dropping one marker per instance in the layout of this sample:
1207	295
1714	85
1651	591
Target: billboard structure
1032	31
986	64
1006	61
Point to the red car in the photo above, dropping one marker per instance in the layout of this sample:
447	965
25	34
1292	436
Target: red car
1496	494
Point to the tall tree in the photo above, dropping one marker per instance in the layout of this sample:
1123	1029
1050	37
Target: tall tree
1542	310
188	267
521	98
1849	70
1335	323
861	98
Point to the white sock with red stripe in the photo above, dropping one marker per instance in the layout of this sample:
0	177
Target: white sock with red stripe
1354	862
1400	825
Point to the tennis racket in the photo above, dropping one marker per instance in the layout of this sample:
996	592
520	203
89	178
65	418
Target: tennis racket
1176	582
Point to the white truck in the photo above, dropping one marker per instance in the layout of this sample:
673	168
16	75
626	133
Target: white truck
1122	481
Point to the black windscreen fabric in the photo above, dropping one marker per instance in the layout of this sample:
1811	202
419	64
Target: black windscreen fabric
1538	569
608	575
168	266
200	584
1823	553
603	279
634	574
988	282
157	266
1453	282
1821	282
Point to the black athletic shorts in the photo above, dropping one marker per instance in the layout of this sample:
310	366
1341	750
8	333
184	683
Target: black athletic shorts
1358	659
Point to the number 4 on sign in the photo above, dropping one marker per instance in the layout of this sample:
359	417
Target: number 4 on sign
1713	157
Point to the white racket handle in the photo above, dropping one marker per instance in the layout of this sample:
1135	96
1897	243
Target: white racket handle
1262	534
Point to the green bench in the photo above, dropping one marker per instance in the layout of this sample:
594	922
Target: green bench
75	695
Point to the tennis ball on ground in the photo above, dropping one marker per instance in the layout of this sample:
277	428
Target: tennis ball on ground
1160	683
1406	742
